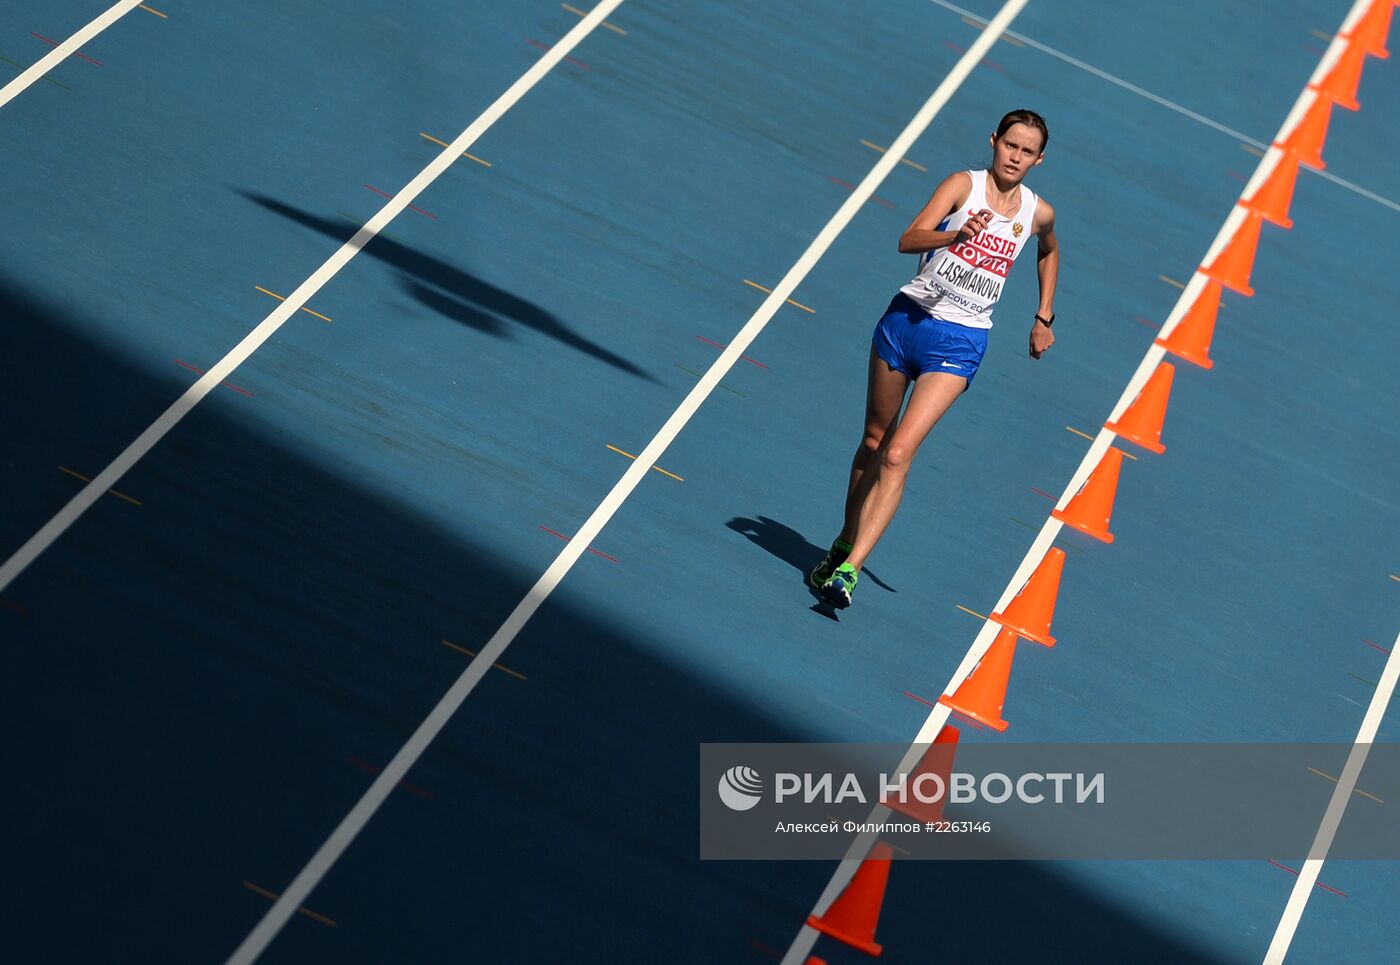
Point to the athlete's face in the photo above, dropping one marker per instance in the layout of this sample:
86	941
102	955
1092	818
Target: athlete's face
1016	152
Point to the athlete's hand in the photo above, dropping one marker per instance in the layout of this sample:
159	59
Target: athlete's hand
974	225
1041	338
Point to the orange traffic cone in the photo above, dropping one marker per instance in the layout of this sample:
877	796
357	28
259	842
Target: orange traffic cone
1272	197
1231	267
938	760
814	960
1142	421
852	916
1090	508
1030	613
1341	81
1372	29
983	694
1190	339
1309	133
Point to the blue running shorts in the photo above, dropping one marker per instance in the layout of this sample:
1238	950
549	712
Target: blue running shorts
913	342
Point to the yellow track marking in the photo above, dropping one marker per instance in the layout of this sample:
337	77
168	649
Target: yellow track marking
971	612
980	26
657	468
584	13
1354	790
445	144
153	10
471	653
904	160
798	304
78	475
281	299
273	896
1085	435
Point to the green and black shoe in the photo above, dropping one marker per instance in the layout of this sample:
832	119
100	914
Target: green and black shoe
834	558
838	589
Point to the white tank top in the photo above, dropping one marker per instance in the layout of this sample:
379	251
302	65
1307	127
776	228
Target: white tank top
962	282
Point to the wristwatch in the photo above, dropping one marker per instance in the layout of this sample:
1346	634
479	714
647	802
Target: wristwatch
1047	322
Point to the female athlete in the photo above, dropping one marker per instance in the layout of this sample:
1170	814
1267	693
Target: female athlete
935	331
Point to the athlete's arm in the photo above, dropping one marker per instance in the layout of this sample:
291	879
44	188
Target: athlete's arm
1047	267
923	234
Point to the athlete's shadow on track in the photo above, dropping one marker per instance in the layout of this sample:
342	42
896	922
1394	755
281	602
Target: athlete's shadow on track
792	548
447	289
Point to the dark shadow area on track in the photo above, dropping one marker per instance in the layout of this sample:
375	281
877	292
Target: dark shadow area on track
447	289
791	547
184	698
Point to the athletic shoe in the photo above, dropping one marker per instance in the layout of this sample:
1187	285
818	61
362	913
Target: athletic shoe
837	590
834	558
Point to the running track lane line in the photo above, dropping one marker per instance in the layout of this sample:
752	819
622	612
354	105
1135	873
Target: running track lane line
251	342
50	60
938	717
294	895
354	822
1341	795
1169	105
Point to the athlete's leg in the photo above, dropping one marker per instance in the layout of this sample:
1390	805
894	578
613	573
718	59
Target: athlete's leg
884	394
934	393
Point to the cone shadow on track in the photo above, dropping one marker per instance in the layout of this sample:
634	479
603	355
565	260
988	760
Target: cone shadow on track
195	672
447	289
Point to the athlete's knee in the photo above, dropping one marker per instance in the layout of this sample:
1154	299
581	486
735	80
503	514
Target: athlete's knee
897	457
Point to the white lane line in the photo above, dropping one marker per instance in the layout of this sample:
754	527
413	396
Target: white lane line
240	353
1341	795
1105	75
47	63
294	896
355	821
938	716
1169	104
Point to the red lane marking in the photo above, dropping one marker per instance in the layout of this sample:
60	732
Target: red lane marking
14	606
1041	492
986	62
590	549
411	206
375	770
1145	321
874	197
744	357
54	43
1295	874
764	948
536	43
920	699
1237	175
201	372
1376	646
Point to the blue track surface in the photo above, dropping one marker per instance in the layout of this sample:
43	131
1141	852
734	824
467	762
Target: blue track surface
196	689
